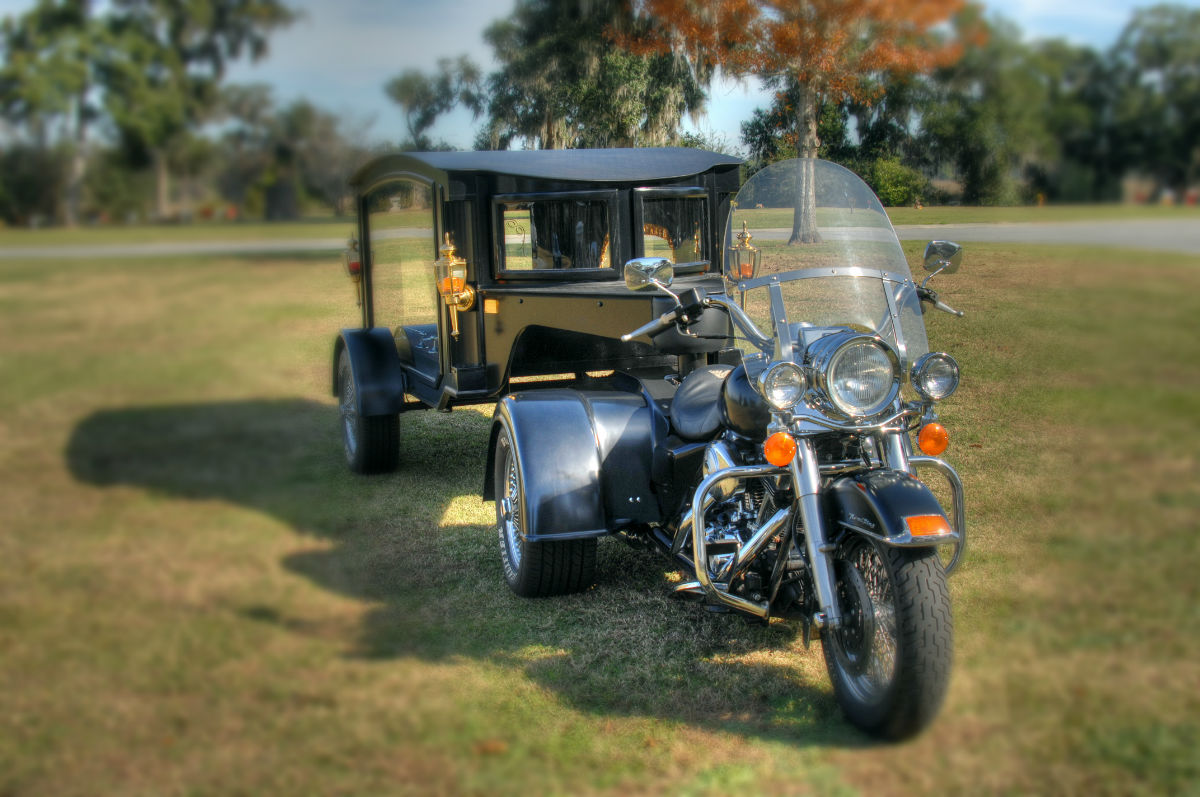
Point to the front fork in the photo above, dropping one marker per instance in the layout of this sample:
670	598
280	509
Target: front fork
806	474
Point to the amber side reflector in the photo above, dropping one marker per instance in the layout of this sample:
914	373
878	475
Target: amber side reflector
780	449
933	439
927	525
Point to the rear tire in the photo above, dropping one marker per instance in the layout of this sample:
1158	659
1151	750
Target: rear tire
890	660
371	444
534	569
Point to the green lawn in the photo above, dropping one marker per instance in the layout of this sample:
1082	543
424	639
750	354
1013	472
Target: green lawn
197	598
199	231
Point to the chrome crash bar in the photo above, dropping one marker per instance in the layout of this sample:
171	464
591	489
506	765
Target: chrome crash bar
712	589
956	496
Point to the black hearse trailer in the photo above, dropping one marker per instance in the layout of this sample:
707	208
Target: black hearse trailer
483	273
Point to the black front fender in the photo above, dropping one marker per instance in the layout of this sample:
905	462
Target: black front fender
378	376
876	503
585	459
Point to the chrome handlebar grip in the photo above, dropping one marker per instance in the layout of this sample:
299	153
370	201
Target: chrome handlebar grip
662	322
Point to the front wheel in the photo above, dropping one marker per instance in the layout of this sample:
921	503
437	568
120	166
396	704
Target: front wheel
534	569
890	660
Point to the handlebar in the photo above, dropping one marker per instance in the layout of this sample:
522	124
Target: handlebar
927	295
652	327
945	308
681	314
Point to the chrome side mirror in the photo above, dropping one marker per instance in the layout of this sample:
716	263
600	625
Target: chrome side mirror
648	272
943	257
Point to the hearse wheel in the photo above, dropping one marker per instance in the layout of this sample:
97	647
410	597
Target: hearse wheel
534	569
372	444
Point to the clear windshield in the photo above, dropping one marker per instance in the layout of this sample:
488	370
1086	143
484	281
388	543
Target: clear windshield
825	240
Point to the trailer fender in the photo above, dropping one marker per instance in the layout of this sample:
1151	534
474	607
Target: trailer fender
585	459
379	382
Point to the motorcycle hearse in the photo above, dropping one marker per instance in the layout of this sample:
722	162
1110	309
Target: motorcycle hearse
732	374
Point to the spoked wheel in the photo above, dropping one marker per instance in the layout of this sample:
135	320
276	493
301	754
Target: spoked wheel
890	660
534	569
372	444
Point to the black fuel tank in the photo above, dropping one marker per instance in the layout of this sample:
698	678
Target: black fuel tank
742	408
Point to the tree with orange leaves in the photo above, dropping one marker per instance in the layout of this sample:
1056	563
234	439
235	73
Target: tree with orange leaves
811	49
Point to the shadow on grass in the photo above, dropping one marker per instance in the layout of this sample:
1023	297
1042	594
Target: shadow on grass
418	543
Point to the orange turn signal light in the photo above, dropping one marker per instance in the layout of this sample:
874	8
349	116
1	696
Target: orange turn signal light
927	525
780	449
933	439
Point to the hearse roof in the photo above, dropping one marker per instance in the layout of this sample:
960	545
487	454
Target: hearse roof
576	165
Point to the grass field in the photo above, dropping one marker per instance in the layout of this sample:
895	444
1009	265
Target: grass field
197	598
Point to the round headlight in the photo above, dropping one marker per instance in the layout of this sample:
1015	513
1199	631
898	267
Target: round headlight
862	377
782	385
935	376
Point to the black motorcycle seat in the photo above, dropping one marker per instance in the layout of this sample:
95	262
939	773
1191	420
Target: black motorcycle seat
696	408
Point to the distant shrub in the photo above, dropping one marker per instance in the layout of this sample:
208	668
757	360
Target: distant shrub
895	183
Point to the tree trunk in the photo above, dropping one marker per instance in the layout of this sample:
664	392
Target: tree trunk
804	219
162	184
78	163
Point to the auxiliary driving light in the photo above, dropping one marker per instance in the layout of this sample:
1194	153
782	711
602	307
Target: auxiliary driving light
935	376
782	385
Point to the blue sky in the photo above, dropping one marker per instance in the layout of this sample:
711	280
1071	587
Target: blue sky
339	54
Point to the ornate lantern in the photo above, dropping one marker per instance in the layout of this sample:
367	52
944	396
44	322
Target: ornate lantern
450	271
743	259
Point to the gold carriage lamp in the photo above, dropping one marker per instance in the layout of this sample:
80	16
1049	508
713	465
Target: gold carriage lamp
352	262
743	258
450	271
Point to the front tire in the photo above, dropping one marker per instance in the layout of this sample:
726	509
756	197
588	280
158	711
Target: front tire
890	660
534	569
371	444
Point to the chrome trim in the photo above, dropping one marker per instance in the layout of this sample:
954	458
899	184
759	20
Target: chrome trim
895	452
699	532
880	425
753	546
810	273
741	320
957	500
845	466
785	346
717	457
806	474
897	332
905	540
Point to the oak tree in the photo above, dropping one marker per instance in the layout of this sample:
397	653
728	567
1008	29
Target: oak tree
563	83
812	50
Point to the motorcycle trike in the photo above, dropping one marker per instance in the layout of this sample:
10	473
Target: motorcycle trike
787	478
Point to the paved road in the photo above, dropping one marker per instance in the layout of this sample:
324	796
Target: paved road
1162	235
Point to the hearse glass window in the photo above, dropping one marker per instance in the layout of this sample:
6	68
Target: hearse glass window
556	234
400	226
675	226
